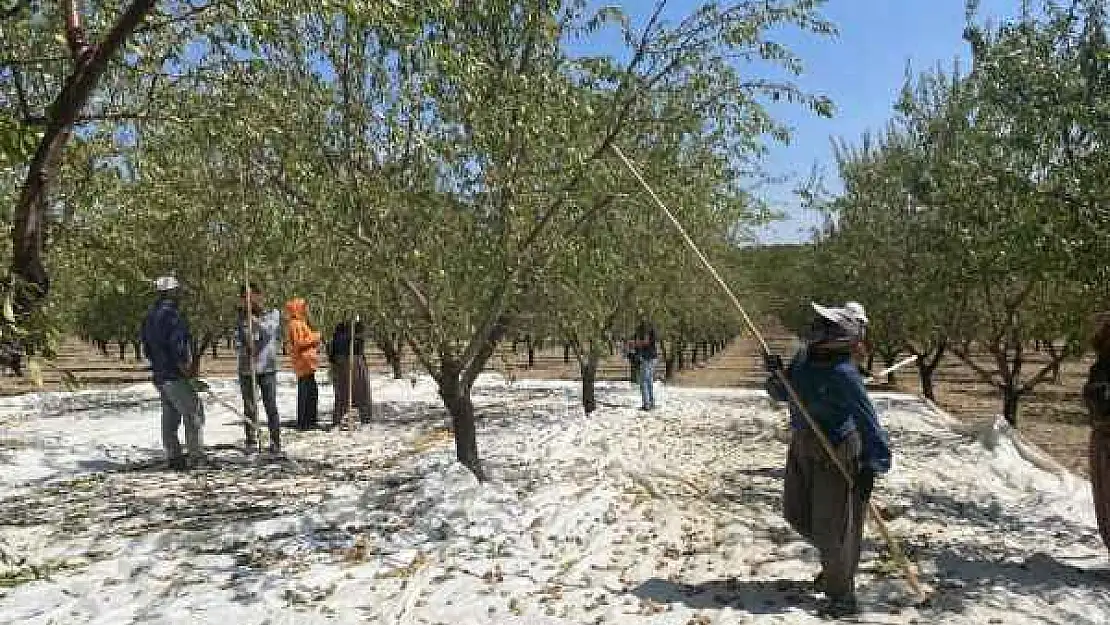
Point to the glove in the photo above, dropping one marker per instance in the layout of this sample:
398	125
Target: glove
865	482
773	362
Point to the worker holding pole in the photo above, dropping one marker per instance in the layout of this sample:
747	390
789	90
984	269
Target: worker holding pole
818	502
798	406
259	335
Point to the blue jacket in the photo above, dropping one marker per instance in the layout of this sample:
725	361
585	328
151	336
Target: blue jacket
166	341
833	392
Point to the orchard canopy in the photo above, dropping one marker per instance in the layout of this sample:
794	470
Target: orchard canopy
444	169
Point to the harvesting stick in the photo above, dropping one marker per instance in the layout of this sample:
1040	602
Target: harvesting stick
258	432
895	548
891	369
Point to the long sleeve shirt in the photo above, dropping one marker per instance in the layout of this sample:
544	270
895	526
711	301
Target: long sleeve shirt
833	393
166	341
267	341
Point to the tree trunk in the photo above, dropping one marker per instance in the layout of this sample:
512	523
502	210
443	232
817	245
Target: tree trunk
215	347
122	345
531	352
29	215
1011	400
633	370
137	348
669	366
679	350
566	353
589	380
888	362
392	352
925	373
457	400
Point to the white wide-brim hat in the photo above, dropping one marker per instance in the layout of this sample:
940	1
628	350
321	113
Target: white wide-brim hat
166	283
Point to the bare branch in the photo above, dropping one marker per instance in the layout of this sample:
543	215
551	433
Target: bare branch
984	374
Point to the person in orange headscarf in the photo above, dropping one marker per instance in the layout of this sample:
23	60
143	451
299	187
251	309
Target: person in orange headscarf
303	345
1096	394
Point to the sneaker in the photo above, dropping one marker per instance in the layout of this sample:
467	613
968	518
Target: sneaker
839	607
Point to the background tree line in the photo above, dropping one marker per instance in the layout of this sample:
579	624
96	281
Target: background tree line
442	169
976	222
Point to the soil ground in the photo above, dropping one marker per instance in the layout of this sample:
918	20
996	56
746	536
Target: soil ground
1053	418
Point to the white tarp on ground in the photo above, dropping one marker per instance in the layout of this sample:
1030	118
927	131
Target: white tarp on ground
623	517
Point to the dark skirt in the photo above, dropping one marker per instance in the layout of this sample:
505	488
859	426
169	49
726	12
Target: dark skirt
341	378
1100	477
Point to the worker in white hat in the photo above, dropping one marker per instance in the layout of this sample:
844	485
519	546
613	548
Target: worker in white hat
818	502
168	346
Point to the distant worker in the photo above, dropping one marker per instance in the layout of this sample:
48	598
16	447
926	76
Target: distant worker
303	346
1096	394
258	355
817	499
349	376
645	350
168	346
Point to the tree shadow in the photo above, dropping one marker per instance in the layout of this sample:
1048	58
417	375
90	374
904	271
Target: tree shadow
973	576
775	596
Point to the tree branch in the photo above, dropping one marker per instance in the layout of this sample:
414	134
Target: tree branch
92	62
985	375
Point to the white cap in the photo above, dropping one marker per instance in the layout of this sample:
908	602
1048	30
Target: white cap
856	310
844	319
166	283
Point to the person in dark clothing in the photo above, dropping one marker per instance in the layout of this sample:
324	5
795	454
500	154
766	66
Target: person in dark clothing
818	501
349	376
167	344
645	350
1096	395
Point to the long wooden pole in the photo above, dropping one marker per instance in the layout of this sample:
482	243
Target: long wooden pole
252	353
895	548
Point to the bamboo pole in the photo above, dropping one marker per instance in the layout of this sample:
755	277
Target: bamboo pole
252	355
895	548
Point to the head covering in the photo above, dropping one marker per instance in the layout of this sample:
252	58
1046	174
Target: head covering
857	311
166	283
297	308
835	324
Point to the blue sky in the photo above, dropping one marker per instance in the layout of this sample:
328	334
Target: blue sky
862	70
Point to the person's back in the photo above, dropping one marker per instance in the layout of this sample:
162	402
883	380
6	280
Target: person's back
303	340
165	340
647	344
830	386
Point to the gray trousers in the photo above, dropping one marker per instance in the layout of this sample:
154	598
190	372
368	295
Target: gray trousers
181	404
819	505
267	384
